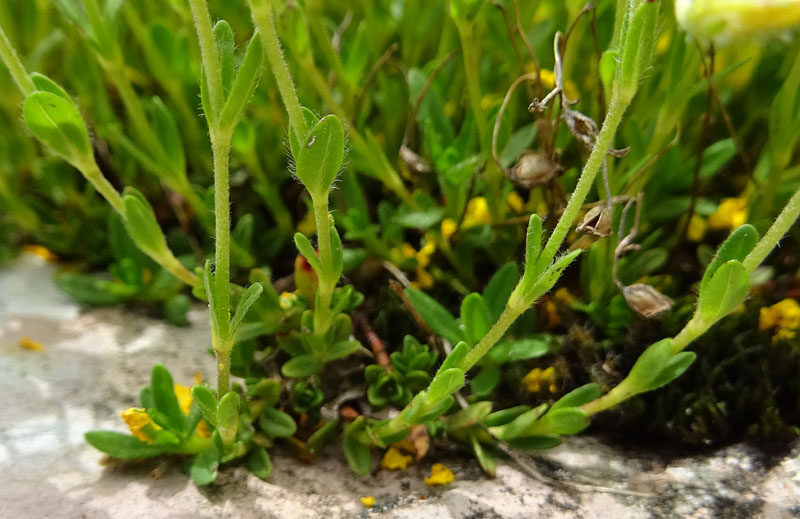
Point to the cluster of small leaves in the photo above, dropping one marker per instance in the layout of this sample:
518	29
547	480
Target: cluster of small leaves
409	373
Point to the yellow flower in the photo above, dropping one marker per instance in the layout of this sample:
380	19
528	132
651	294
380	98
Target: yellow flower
184	395
730	214
423	257
395	460
477	213
137	420
424	279
29	344
515	202
784	315
696	229
425	253
198	378
548	78
537	377
440	475
449	228
726	20
368	501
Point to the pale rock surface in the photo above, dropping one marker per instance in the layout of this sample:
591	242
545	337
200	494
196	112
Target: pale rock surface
94	362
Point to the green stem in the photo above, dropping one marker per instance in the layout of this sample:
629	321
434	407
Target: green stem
208	53
263	18
220	145
778	229
15	66
691	331
223	372
496	332
605	140
93	174
613	398
326	283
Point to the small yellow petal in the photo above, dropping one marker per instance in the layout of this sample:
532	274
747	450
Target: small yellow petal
515	202
548	78
440	475
696	229
198	378
29	344
368	501
184	395
731	213
395	460
477	213
449	228
424	279
408	251
137	420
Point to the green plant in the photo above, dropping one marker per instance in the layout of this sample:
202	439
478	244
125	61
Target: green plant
444	170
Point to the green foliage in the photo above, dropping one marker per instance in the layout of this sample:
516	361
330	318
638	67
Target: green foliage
445	166
409	373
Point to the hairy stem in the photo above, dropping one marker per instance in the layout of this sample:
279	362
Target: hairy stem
223	372
605	140
222	229
496	332
780	227
93	174
263	18
326	283
15	66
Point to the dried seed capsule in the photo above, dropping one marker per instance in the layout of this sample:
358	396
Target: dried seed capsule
597	221
646	300
533	169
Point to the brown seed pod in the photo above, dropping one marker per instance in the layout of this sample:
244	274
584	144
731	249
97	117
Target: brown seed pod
582	127
646	300
597	221
413	161
533	169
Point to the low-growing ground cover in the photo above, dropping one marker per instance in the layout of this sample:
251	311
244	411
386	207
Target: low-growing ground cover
465	223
